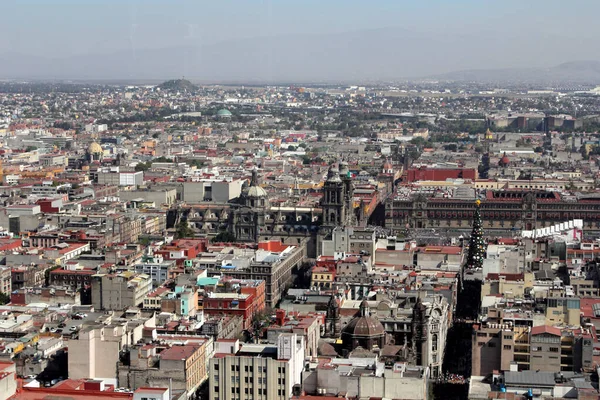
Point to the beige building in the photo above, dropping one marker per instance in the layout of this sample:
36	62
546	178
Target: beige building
251	374
182	366
349	240
8	380
189	359
540	348
584	287
119	291
95	352
375	381
563	311
159	196
5	280
509	285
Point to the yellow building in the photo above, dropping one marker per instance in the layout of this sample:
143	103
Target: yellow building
509	285
321	277
563	311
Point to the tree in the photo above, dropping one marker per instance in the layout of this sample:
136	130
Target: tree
143	166
183	230
224	237
4	298
477	244
418	141
195	163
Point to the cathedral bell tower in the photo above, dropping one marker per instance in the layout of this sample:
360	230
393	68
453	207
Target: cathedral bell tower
249	218
333	202
333	325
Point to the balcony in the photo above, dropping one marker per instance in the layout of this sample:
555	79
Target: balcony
521	358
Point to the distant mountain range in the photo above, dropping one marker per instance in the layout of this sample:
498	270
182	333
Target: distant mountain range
376	55
577	72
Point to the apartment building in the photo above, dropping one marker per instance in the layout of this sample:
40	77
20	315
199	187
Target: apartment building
119	291
189	359
94	353
260	372
540	348
273	262
563	310
179	362
5	280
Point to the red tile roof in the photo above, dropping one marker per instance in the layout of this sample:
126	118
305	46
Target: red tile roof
178	352
552	330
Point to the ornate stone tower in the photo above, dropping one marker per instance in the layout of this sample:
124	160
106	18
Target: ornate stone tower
419	331
346	177
249	218
332	324
333	204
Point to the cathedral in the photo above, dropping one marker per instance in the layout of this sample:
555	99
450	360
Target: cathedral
251	218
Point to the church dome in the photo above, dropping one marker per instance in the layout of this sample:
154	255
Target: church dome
224	113
365	325
504	161
94	148
256	191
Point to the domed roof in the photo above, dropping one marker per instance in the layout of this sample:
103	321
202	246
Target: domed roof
504	161
94	148
224	113
364	326
254	191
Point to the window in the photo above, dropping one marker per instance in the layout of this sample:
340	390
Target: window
553	349
507	347
507	337
491	344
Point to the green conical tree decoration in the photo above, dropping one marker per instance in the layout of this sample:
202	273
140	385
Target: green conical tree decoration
477	244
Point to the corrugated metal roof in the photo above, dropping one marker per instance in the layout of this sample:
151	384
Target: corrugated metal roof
529	378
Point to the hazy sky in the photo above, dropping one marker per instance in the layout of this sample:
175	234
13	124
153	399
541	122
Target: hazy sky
470	33
60	27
